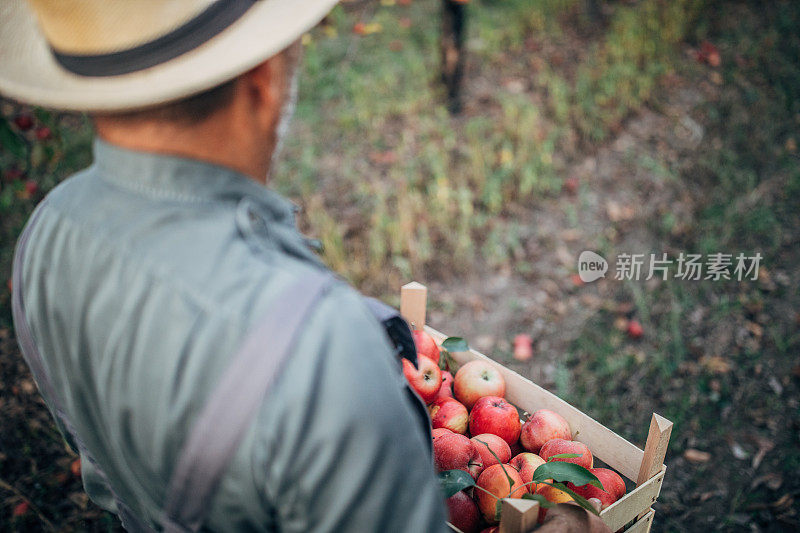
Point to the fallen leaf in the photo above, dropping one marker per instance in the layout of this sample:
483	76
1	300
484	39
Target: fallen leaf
75	467
618	213
696	456
784	502
715	364
772	480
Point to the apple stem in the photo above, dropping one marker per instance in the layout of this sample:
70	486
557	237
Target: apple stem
487	492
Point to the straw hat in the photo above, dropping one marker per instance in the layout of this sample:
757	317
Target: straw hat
113	55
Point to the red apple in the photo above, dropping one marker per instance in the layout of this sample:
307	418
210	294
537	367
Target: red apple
426	346
492	414
449	413
496	444
559	446
611	481
495	480
477	379
463	512
542	426
446	391
438	432
456	452
425	380
526	464
613	487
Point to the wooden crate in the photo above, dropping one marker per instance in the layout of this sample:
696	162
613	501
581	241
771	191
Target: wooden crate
644	469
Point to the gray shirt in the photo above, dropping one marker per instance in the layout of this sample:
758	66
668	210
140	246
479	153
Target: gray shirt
143	275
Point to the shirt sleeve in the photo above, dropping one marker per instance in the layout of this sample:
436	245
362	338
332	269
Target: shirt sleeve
338	445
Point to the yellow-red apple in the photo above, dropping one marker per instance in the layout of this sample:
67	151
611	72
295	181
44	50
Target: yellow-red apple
477	379
449	413
559	446
425	380
495	480
542	426
526	464
492	414
553	495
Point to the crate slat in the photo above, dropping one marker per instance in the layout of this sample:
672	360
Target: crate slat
644	524
630	506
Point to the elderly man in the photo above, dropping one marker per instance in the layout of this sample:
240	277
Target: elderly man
209	370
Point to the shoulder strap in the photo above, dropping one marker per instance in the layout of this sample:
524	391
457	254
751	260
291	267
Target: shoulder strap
221	425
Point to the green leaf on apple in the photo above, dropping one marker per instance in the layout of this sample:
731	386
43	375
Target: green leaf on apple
510	481
563	456
566	472
455	344
543	502
454	481
580	500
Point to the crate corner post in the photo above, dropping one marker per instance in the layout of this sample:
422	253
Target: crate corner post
413	303
518	516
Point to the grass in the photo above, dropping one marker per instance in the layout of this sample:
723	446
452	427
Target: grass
446	197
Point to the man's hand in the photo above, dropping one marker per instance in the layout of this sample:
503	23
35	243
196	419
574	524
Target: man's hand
569	518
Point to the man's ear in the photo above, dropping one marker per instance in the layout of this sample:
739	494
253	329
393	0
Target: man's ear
262	87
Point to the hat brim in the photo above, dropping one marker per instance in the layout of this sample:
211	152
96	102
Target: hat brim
29	73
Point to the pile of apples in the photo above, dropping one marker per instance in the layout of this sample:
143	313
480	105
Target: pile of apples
476	430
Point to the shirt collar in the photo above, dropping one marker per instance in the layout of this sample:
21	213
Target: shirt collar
177	178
